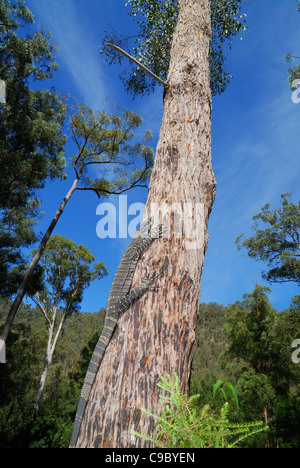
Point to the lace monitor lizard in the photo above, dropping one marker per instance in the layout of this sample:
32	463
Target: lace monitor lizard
119	300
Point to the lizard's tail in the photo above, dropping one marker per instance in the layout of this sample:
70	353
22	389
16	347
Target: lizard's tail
94	365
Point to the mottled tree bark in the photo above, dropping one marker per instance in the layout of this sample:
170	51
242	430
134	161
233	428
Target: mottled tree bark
156	336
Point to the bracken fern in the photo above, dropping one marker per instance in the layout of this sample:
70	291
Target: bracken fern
181	425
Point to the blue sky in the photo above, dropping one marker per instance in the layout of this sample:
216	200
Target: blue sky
255	138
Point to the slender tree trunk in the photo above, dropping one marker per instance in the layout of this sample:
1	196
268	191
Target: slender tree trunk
47	364
49	356
265	417
28	275
156	336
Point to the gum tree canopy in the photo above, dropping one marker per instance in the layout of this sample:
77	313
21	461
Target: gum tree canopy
278	244
31	137
156	21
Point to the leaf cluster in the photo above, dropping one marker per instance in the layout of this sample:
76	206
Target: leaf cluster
16	231
262	338
294	72
31	134
278	244
105	144
31	137
156	20
181	425
249	345
67	270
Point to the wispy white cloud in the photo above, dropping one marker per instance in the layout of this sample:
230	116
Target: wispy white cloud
78	50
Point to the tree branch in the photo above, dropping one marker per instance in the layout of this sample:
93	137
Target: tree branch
139	64
38	303
112	192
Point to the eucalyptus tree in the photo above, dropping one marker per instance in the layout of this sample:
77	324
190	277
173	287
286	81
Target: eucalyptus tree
31	132
31	119
276	241
68	271
104	146
182	43
261	338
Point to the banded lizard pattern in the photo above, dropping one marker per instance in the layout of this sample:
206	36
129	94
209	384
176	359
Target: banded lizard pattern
119	300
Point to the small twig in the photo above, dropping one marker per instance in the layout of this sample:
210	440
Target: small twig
162	82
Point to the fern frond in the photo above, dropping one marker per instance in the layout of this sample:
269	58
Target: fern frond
182	426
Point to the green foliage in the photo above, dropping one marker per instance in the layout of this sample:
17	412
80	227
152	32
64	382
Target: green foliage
104	143
207	365
222	387
278	244
259	395
183	426
248	326
156	21
68	271
16	232
86	355
31	137
230	341
287	416
17	377
227	23
50	430
20	378
294	72
31	143
255	333
262	338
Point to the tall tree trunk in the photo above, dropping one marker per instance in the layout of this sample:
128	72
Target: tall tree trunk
29	273
156	336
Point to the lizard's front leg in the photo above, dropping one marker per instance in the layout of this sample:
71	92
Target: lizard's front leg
137	292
